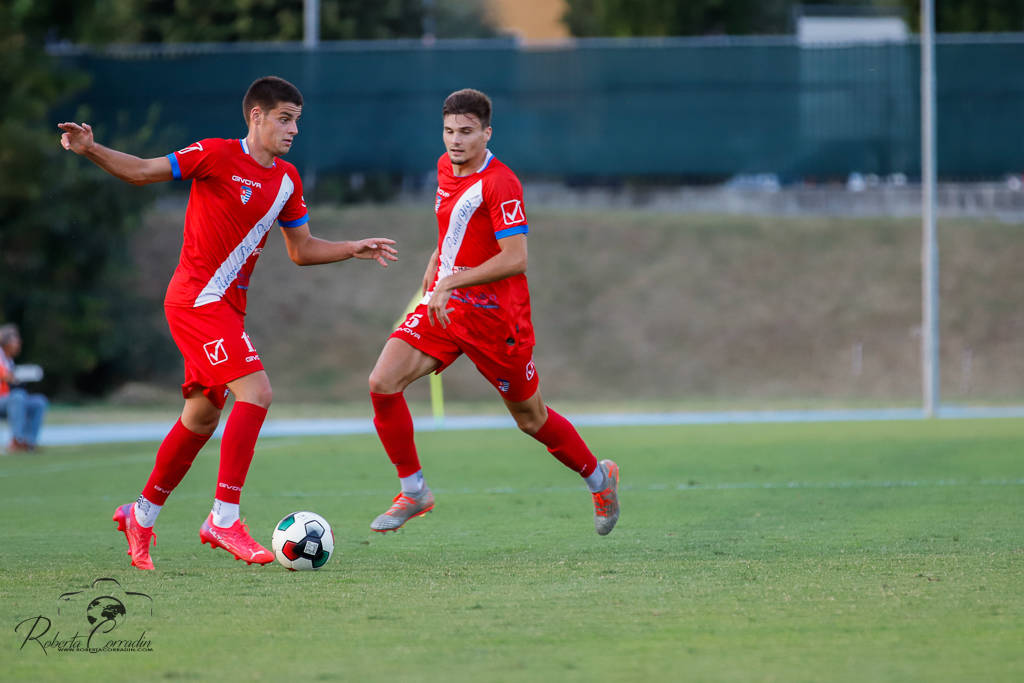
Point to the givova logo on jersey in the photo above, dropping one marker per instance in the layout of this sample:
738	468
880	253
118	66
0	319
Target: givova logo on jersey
441	194
245	187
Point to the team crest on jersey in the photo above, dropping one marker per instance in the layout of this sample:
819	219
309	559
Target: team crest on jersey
246	194
216	353
512	212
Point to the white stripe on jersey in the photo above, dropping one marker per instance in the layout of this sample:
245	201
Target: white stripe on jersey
458	224
232	265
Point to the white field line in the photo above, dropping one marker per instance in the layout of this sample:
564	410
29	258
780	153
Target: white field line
67	435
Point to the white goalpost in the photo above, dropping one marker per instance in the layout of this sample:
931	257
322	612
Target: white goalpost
929	240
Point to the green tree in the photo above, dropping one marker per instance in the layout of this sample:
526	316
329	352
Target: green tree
622	18
101	22
956	16
745	17
64	232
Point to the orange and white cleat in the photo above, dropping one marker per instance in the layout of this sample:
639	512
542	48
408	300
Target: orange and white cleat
606	501
236	540
405	507
138	536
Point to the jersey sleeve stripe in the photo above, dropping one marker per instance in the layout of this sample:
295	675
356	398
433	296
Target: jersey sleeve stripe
175	168
295	223
514	230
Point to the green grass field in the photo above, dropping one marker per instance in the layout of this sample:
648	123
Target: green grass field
823	552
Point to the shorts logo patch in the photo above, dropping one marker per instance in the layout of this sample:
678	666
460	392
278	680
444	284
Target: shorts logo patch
504	385
216	353
512	212
531	370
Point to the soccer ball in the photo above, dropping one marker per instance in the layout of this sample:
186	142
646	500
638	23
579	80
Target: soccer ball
303	540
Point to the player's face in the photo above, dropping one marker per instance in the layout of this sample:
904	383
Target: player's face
277	128
466	141
13	347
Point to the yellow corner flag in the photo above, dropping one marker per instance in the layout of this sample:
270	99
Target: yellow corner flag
436	389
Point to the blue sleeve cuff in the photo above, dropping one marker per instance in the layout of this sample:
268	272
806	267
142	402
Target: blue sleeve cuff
175	169
295	223
515	230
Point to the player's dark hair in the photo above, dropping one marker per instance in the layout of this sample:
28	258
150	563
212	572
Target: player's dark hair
268	92
8	333
469	101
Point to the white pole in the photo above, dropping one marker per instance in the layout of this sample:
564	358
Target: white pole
311	23
929	241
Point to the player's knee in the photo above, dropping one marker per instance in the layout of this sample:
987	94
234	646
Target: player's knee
381	384
529	423
263	397
204	423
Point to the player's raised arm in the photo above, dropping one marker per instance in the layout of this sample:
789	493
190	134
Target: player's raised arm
129	168
306	250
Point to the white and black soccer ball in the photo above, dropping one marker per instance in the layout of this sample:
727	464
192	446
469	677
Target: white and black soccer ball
303	540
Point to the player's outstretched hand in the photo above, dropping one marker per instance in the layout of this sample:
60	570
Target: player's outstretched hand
76	138
380	249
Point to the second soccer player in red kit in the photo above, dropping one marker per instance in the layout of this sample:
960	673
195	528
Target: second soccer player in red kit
476	302
240	188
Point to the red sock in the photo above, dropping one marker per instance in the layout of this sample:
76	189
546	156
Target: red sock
394	427
173	460
236	449
565	443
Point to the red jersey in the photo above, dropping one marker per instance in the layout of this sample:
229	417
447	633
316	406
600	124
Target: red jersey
6	370
233	203
473	213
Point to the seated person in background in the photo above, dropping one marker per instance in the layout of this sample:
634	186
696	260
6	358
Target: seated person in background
24	410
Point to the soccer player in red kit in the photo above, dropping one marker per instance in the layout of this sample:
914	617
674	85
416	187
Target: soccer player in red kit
476	301
239	189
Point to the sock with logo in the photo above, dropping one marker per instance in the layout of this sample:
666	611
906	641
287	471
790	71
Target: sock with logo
173	460
236	449
145	512
224	514
394	427
564	442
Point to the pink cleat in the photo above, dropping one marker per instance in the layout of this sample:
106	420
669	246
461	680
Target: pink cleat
138	536
236	540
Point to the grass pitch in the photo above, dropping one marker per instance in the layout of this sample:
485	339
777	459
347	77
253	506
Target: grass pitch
840	552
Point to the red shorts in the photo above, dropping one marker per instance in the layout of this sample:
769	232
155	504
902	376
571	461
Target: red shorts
507	363
216	348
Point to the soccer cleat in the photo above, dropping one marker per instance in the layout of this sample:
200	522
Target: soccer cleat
138	536
236	540
606	501
405	507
